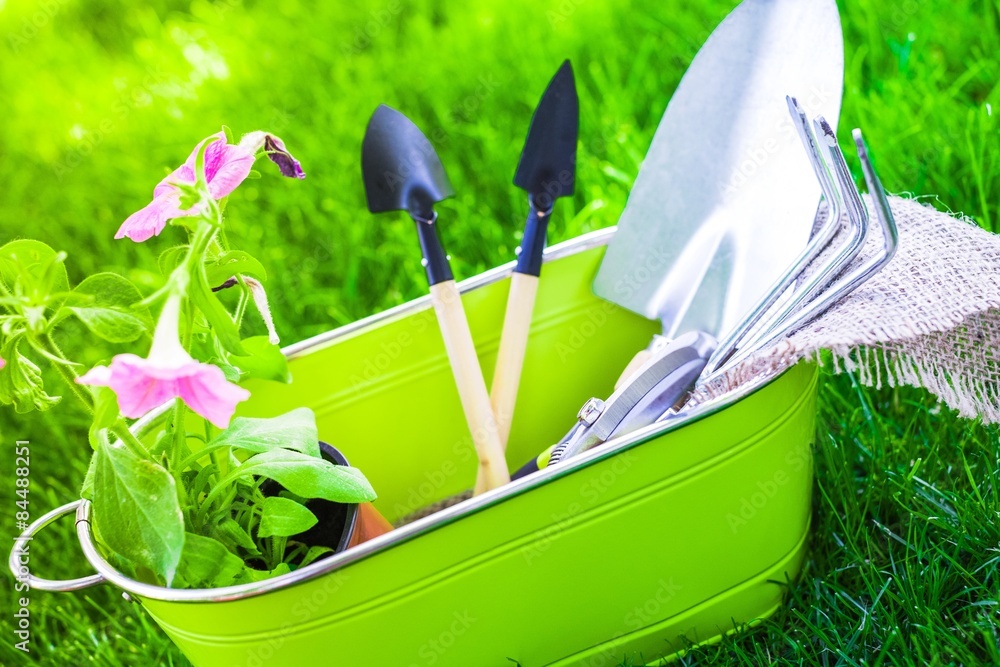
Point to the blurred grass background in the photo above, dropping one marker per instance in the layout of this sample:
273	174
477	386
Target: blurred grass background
99	99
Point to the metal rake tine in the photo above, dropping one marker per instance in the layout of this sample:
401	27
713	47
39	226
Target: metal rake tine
883	213
815	246
857	214
857	277
859	218
845	193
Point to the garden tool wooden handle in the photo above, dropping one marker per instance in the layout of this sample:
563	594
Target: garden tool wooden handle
471	386
513	344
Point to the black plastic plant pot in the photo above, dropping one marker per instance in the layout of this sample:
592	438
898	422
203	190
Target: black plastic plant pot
337	521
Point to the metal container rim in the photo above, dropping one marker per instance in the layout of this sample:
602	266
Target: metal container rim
426	524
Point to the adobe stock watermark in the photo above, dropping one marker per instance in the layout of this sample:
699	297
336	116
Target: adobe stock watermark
768	488
312	604
901	13
435	648
590	493
378	20
32	25
22	516
652	610
561	12
376	366
464	110
596	317
782	135
154	84
426	488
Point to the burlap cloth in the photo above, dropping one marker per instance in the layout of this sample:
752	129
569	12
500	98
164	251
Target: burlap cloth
930	318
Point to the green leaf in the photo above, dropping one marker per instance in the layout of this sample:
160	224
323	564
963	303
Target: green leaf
87	488
114	291
206	562
264	360
107	307
105	413
136	509
314	553
293	430
250	575
283	517
38	268
232	532
308	476
233	262
216	314
171	258
112	325
201	480
21	380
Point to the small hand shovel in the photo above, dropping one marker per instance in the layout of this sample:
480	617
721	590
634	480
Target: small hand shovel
547	171
401	171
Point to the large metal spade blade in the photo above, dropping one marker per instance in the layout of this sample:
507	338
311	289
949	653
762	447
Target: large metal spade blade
725	198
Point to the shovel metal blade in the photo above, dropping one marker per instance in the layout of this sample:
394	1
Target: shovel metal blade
400	168
726	198
547	169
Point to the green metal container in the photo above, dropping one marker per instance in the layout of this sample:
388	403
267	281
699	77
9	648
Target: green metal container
667	535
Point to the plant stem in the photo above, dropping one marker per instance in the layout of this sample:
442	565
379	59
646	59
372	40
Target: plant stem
69	375
207	449
241	307
202	238
6	293
180	409
179	436
127	438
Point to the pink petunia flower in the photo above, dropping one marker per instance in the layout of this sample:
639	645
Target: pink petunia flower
226	166
168	372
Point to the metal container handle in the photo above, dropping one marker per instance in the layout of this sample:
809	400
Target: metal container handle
15	564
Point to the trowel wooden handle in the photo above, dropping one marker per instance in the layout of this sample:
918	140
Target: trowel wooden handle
513	343
638	360
471	385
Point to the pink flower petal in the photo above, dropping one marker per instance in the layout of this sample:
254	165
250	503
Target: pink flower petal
185	172
226	166
98	376
150	220
206	391
2	363
231	166
142	386
215	142
182	174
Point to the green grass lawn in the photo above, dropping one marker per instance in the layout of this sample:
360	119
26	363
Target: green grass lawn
98	99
